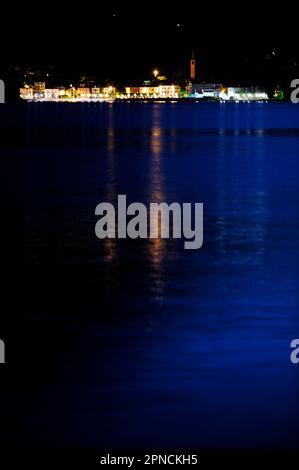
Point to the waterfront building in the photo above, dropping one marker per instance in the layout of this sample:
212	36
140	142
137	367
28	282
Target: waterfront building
26	93
107	92
39	93
159	91
83	93
52	94
205	90
149	91
95	92
243	94
169	91
132	91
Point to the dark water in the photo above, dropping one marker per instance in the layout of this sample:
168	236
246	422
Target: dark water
143	343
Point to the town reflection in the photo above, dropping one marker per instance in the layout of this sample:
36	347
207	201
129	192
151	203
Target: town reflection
110	244
156	246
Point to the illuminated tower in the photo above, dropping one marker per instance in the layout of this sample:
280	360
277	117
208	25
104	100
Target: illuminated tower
192	67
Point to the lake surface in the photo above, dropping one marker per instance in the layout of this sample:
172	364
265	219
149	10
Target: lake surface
140	343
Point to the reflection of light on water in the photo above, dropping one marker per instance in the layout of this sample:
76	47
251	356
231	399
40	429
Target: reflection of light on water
110	141
156	246
156	140
110	244
110	250
156	253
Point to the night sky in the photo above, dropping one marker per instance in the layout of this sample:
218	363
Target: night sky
235	44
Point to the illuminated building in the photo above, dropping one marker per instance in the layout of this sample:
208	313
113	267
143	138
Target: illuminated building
95	92
39	87
52	94
148	91
169	91
132	91
26	93
108	92
83	92
242	94
40	93
205	90
160	91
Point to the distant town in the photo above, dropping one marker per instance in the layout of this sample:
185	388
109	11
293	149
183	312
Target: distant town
39	92
158	87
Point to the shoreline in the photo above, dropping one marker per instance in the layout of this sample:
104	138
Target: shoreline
154	100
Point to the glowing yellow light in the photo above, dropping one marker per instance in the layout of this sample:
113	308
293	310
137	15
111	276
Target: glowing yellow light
156	73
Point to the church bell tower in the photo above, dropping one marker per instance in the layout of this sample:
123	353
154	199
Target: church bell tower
192	67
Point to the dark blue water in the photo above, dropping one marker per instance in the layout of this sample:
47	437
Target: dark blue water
143	343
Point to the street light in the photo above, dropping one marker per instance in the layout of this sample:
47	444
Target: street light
156	73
